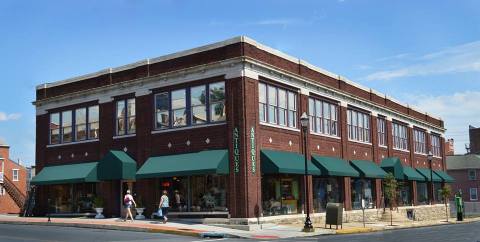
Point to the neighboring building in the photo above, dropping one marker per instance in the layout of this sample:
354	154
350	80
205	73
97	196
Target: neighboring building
13	178
218	127
449	147
474	134
466	171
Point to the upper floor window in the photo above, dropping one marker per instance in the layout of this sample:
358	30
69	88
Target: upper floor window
14	174
277	105
190	106
435	144
81	124
473	194
55	128
67	126
472	175
358	125
125	118
419	141
77	125
382	131
323	117
93	122
400	136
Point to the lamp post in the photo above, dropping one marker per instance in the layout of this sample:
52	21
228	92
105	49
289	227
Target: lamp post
430	160
308	227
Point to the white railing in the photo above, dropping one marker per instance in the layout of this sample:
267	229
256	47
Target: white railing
1	177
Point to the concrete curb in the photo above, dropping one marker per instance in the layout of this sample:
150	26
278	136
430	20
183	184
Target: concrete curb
184	232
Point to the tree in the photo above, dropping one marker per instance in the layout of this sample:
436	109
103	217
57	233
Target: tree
446	193
390	190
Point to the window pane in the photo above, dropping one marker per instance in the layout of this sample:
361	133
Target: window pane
217	112
198	95
318	108
272	95
178	99
217	92
292	117
311	107
121	112
282	98
131	107
93	124
67	126
272	114
121	109
282	116
163	119
262	112
80	122
54	128
161	101
199	114
262	93
292	101
131	125
179	117
162	104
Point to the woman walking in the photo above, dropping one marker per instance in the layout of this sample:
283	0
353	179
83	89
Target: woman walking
163	206
128	201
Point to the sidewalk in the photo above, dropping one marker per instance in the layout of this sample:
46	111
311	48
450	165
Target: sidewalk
268	231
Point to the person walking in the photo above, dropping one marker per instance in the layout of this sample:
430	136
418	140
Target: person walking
128	201
163	206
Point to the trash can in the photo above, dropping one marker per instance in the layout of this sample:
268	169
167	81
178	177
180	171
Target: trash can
334	215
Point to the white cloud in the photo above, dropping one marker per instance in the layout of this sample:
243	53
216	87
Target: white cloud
10	116
455	59
458	110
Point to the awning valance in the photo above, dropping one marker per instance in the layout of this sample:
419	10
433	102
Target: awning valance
368	169
426	173
412	175
64	174
394	165
333	166
282	162
117	165
189	164
445	177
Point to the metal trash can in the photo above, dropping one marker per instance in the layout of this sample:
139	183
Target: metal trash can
334	215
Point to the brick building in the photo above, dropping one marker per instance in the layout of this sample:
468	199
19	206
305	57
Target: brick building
218	127
466	171
13	182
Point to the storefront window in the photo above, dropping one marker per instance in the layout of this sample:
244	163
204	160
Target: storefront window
362	188
326	190
196	193
72	198
280	195
437	187
404	194
422	193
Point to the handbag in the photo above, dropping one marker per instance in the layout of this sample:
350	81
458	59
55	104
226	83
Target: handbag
160	214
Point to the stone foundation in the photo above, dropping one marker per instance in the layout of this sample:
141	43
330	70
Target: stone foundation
419	213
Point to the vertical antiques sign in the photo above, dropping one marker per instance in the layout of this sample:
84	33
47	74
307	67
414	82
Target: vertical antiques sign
253	152
236	150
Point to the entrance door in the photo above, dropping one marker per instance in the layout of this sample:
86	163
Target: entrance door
124	186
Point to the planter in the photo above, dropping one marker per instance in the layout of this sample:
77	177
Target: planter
99	213
140	213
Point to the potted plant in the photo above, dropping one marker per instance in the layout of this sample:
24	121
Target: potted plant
140	208
98	203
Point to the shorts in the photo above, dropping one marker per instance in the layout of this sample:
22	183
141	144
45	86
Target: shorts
127	206
164	211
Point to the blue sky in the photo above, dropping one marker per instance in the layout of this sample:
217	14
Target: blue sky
425	53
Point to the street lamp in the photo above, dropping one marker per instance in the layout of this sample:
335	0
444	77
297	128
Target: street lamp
308	223
430	160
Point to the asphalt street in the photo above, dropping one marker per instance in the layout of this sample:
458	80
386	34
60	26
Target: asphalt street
28	233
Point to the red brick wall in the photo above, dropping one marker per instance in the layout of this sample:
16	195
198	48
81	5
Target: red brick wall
462	182
7	205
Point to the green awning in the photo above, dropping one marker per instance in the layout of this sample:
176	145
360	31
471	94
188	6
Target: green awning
445	177
333	166
117	165
281	162
368	169
394	165
426	173
190	164
412	175
64	174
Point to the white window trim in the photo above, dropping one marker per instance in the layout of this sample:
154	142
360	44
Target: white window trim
470	193
383	146
422	154
279	126
74	143
188	127
325	135
124	136
360	142
402	150
468	174
13	175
